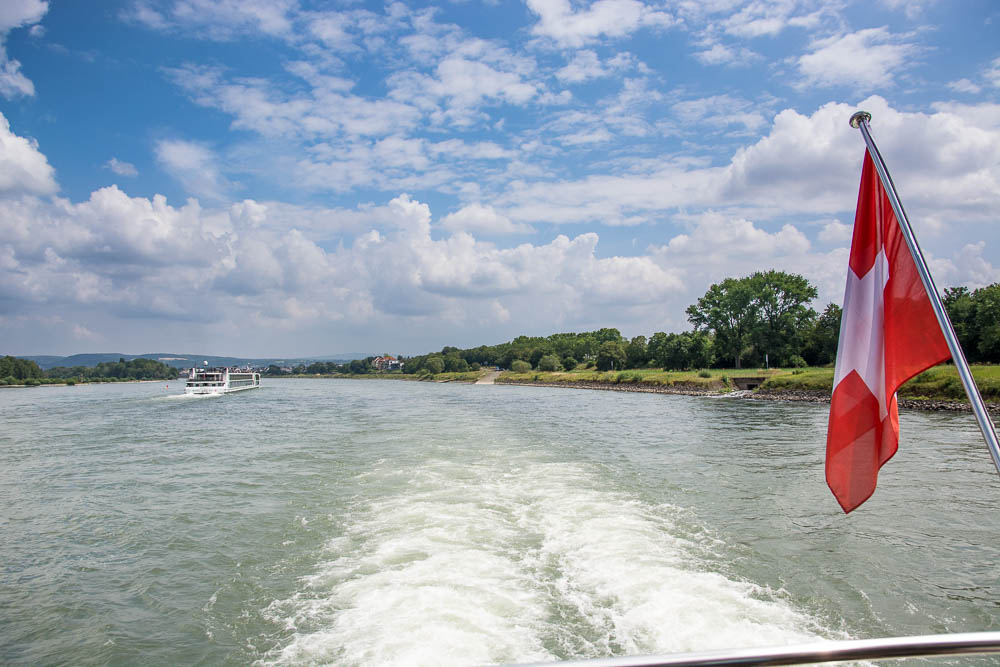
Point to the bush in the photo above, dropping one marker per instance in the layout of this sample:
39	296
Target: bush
549	363
70	382
795	361
32	382
704	373
569	363
474	366
520	366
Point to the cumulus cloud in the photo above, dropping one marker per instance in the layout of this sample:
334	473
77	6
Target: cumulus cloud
482	219
946	164
23	168
861	60
17	14
836	232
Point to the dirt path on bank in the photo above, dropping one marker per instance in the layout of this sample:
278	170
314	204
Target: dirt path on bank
489	378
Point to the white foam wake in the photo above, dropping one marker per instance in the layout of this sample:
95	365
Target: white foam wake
517	561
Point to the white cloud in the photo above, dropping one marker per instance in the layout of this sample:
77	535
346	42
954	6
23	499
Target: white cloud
23	168
759	19
992	73
17	14
720	111
946	165
121	168
585	65
194	165
965	86
559	20
862	60
836	232
325	112
82	333
216	19
475	218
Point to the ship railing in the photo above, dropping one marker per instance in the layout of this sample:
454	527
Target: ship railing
924	646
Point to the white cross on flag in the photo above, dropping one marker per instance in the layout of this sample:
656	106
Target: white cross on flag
888	334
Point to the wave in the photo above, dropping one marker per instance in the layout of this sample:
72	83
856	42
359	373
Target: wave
515	560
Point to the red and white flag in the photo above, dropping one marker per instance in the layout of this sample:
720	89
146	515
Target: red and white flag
888	334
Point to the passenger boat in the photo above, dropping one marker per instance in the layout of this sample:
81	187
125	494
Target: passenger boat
220	380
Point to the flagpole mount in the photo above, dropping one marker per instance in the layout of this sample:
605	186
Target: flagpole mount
860	117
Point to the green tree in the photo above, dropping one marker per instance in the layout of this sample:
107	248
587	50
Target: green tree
987	323
700	349
961	309
783	313
549	363
569	363
434	364
821	341
763	314
730	311
455	364
657	349
520	366
611	355
637	352
19	369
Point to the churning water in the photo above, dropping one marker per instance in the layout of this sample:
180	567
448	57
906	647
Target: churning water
364	522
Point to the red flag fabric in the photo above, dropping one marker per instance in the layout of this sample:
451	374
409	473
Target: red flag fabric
888	334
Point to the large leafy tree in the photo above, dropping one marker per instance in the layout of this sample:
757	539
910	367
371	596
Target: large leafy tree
986	323
820	347
961	309
611	356
783	313
763	313
637	352
729	310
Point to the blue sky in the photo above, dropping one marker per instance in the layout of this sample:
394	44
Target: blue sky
268	178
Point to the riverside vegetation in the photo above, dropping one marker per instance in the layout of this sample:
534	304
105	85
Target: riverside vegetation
757	325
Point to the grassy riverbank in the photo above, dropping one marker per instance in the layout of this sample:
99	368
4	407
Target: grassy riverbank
937	384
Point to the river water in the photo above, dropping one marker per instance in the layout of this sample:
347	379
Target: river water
355	522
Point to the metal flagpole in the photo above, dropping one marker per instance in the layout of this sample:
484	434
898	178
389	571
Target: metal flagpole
860	121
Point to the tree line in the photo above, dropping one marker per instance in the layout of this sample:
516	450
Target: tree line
24	371
761	319
757	319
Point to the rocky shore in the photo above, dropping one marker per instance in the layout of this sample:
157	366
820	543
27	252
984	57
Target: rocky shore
802	396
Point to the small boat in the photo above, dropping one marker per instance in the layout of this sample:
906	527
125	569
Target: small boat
220	380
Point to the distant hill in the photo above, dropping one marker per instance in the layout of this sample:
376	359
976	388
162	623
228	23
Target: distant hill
185	360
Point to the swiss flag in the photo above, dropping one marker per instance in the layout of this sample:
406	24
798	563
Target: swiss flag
888	334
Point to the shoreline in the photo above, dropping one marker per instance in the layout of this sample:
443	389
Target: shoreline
794	396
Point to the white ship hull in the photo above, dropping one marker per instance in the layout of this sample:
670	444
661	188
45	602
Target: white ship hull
220	381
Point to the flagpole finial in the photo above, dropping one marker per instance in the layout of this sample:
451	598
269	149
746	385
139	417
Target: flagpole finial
858	117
